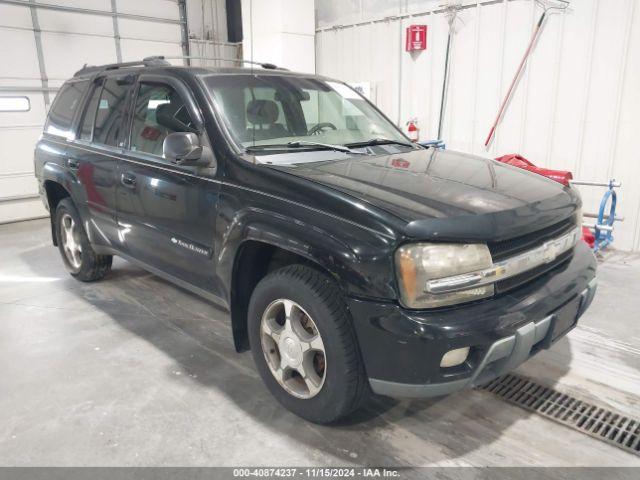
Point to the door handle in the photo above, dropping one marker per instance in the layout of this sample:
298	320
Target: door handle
128	180
73	164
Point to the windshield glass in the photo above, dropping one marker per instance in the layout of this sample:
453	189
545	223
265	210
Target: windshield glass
272	110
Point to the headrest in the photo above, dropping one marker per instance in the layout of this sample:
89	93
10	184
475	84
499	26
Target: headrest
260	112
166	116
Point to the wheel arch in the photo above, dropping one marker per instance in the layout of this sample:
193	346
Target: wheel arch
254	260
258	240
55	192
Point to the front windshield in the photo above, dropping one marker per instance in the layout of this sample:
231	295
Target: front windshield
276	110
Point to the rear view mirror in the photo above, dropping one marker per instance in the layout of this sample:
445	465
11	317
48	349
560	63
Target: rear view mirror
183	148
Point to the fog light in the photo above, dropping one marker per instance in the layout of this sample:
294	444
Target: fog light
454	357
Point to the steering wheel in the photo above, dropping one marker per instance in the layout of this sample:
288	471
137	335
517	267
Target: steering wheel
319	127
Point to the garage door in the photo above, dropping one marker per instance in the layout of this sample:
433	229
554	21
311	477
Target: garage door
42	43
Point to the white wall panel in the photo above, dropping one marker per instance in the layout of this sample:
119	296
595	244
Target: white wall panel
15	157
104	5
21	209
137	49
18	50
18	184
144	30
67	22
149	8
515	24
65	54
575	107
14	16
624	149
574	69
280	32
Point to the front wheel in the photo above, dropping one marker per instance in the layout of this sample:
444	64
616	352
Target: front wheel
78	256
304	346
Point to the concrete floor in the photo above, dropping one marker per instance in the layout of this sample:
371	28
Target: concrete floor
134	371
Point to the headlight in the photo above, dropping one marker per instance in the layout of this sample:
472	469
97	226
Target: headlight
419	263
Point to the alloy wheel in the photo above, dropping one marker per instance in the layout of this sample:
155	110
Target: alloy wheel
71	244
293	348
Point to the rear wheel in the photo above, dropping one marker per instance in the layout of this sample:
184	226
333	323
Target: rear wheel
78	256
304	346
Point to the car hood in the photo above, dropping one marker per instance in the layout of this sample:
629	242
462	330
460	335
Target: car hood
444	194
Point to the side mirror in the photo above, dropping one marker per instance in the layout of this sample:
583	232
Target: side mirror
183	148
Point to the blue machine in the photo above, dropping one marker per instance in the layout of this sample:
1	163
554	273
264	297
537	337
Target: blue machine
603	228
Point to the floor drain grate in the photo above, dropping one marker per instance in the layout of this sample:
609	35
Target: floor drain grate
611	427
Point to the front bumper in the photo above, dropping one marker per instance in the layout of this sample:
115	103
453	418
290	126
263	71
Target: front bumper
402	349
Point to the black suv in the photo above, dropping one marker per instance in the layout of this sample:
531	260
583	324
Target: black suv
350	259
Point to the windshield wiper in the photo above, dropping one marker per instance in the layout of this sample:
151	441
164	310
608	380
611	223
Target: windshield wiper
303	144
274	146
380	141
327	146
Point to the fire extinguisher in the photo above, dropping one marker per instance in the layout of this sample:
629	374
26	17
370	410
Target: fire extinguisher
412	130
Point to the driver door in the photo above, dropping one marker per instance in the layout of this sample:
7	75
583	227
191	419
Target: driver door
167	212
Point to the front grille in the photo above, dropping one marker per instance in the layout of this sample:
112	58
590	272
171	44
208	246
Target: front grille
508	248
510	283
600	422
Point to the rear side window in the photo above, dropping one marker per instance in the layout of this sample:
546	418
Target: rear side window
64	108
109	120
89	116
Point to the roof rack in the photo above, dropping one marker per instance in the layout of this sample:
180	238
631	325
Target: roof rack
265	65
161	61
154	61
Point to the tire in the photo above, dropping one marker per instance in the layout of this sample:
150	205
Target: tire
335	383
79	257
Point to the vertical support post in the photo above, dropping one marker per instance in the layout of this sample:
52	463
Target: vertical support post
41	66
184	30
116	30
400	71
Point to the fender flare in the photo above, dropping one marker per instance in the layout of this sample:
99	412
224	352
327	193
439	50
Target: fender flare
315	245
54	173
318	247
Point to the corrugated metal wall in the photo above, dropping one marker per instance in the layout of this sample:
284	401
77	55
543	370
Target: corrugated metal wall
577	106
207	20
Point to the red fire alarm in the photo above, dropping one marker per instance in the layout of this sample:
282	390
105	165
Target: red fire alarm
416	38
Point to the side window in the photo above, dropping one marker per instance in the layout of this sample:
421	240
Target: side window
111	112
64	109
159	111
89	115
